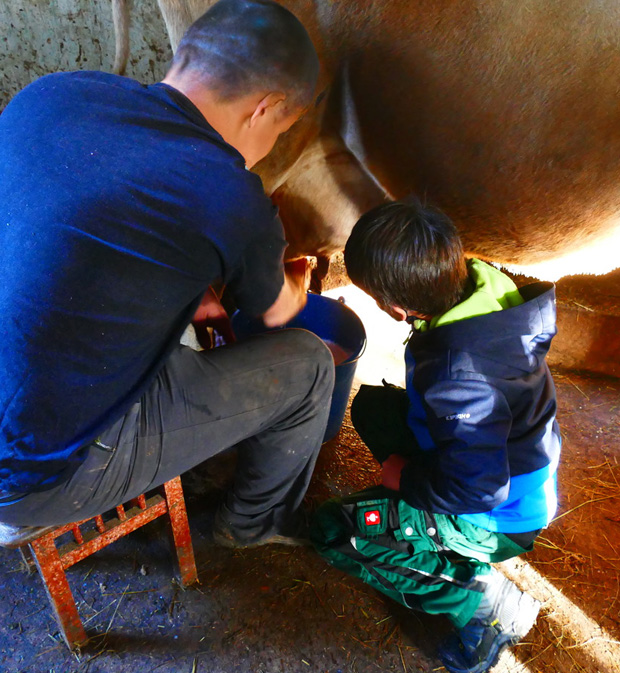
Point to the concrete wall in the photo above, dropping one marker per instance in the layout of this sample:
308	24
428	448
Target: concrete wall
43	36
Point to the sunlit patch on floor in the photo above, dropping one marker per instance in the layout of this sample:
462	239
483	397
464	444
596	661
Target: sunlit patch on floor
580	633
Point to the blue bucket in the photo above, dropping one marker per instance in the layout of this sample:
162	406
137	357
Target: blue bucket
336	324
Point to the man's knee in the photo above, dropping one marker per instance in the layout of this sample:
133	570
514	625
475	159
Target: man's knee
307	342
311	348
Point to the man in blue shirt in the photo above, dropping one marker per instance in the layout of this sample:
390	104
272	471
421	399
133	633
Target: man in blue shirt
121	205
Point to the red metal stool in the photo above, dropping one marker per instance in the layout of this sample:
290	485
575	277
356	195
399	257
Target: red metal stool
52	561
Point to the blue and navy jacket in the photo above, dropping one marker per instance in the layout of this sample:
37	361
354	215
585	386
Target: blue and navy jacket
482	407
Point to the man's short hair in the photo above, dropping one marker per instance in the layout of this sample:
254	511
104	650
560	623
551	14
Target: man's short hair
407	255
239	47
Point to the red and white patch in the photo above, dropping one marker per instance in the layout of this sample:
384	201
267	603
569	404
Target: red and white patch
372	518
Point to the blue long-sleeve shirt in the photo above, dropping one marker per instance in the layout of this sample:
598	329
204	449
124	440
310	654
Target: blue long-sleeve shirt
119	206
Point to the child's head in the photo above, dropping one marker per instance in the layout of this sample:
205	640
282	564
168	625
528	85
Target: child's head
408	257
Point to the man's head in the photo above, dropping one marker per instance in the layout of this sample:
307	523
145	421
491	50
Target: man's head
409	258
253	54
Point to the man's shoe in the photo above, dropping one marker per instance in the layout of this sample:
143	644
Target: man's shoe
16	536
224	535
504	616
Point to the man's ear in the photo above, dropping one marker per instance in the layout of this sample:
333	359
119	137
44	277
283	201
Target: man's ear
268	105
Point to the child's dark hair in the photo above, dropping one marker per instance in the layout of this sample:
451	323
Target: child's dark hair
407	255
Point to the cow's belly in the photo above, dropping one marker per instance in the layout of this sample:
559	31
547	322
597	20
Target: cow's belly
509	121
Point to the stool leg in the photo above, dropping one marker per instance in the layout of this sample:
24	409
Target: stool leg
179	529
28	558
58	591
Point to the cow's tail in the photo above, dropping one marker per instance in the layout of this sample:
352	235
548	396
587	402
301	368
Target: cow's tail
120	16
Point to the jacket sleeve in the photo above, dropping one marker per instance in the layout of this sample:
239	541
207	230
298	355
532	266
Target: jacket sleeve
466	468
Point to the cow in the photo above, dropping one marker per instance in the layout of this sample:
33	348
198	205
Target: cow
505	115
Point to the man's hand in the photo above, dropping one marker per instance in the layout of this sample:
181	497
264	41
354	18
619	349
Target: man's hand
211	313
292	297
300	273
391	470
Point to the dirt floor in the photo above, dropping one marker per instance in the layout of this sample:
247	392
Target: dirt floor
277	609
283	610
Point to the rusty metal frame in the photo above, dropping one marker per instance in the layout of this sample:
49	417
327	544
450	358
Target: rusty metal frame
52	561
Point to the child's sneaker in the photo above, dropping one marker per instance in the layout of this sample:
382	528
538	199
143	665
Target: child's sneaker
504	616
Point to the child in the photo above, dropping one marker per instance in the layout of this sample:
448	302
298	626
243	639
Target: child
469	451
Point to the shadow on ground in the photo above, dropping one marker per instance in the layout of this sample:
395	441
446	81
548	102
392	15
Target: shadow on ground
282	610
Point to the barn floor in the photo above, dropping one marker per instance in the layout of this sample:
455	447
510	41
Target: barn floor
283	610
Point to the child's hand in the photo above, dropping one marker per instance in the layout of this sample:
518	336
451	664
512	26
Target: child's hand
391	469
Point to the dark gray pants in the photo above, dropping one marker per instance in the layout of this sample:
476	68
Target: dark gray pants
270	395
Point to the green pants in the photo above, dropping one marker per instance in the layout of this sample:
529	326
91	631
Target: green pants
427	562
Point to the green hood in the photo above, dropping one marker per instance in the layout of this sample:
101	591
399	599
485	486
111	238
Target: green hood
488	290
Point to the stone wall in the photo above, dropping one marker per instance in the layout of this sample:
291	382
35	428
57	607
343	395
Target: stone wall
42	36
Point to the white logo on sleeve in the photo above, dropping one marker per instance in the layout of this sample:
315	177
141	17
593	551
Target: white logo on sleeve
457	417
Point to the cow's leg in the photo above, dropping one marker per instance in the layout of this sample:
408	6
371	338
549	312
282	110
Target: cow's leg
323	196
179	15
318	274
